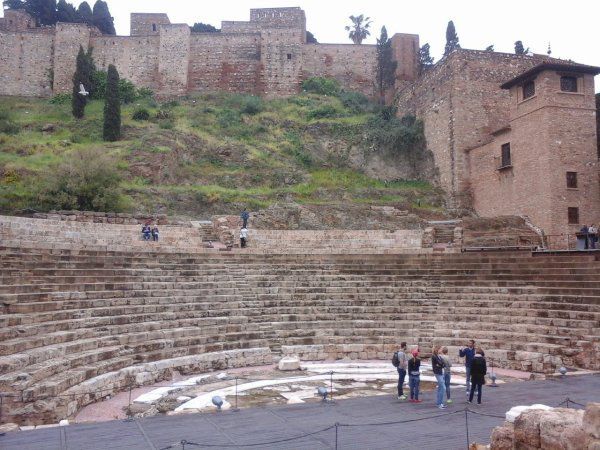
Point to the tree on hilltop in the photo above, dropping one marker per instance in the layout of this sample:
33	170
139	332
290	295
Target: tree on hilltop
489	48
65	12
425	59
200	27
85	13
520	49
310	38
102	19
451	39
44	11
14	4
386	66
359	30
112	106
80	77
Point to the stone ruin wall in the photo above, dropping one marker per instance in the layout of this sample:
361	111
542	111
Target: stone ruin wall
461	103
267	55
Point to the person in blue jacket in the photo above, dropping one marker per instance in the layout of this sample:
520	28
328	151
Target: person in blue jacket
468	353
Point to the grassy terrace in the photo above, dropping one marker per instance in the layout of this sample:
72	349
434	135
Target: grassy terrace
206	154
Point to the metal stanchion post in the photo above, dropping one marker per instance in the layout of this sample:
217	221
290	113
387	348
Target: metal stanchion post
129	416
467	425
183	443
336	435
236	395
331	386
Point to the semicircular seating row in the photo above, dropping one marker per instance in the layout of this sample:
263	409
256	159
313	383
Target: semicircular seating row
82	321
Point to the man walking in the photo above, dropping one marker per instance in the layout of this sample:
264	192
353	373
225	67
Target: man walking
468	353
402	366
245	216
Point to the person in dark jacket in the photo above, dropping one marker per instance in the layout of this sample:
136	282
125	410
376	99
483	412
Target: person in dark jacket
245	215
468	353
146	232
414	376
437	364
478	371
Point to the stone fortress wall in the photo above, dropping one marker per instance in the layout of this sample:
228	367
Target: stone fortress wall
267	55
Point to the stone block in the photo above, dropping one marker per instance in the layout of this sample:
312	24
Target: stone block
591	420
288	363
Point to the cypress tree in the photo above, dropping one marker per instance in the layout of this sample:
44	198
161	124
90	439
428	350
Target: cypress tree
386	66
451	39
425	59
520	49
65	12
112	106
44	11
13	4
85	13
102	18
81	76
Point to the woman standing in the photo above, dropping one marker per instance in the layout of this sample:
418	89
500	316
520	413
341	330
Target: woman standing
414	376
447	372
478	371
437	364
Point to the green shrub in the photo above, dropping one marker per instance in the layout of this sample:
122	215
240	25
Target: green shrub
141	114
61	99
399	136
145	92
89	180
323	111
7	125
355	102
170	104
321	85
127	91
98	88
166	124
252	105
228	118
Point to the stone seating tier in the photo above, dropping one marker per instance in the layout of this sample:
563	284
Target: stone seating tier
72	317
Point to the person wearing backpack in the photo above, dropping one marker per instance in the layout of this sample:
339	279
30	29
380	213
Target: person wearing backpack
414	376
437	364
478	372
400	362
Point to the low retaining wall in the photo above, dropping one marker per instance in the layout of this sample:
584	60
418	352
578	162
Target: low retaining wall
54	409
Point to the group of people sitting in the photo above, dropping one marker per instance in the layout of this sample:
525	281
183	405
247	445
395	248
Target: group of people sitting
475	366
150	233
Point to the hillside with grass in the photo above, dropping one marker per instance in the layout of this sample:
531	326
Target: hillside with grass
213	154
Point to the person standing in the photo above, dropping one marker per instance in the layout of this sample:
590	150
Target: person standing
243	237
155	233
593	236
468	353
447	372
245	215
478	371
437	364
402	359
414	376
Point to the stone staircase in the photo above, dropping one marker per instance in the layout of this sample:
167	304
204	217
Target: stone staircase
82	319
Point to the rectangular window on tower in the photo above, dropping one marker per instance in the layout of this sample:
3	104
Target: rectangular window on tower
572	180
528	89
568	84
573	216
505	161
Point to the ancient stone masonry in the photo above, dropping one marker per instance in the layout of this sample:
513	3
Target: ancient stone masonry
267	55
471	109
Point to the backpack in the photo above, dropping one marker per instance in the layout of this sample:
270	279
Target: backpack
395	360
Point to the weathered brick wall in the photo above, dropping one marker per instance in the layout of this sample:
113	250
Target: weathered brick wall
279	18
16	20
26	61
352	65
550	134
461	103
136	58
143	24
68	38
174	59
225	62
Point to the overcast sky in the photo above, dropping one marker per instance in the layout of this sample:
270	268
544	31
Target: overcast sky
571	28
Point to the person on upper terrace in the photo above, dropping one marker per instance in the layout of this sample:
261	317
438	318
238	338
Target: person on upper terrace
585	231
245	215
146	231
243	237
155	233
593	236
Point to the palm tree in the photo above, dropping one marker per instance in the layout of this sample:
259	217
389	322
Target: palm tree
359	29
